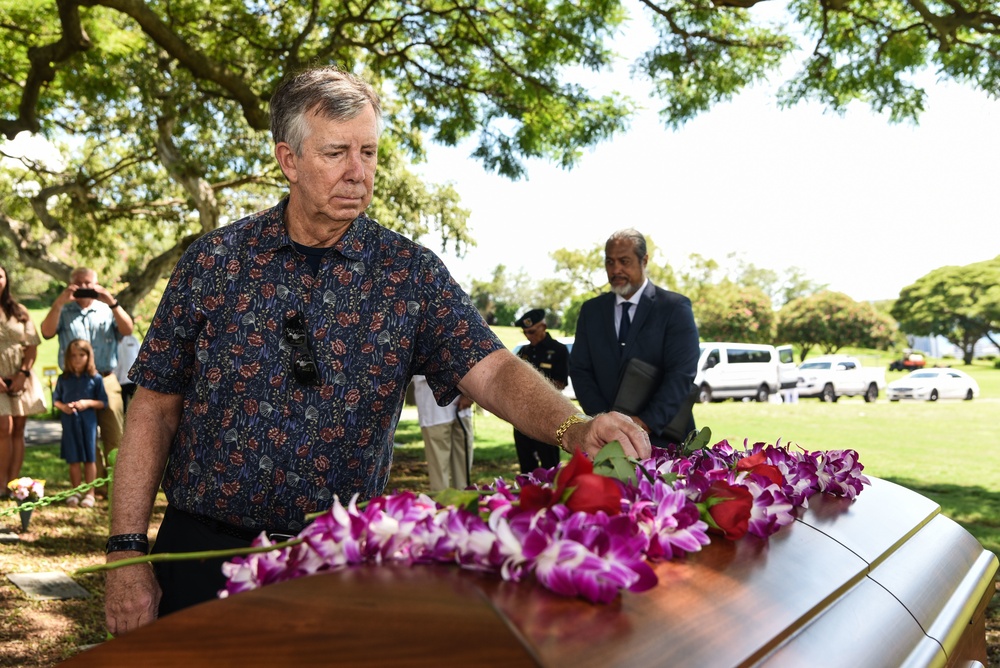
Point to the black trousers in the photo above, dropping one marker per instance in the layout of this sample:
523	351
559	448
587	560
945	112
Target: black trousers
531	453
186	583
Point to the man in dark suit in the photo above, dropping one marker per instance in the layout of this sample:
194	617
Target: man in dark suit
636	320
551	358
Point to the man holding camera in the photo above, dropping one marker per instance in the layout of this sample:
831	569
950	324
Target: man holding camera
86	310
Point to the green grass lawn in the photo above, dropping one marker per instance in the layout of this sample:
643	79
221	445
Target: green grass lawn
48	351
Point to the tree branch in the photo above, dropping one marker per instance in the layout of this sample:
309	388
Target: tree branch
191	58
34	253
72	41
745	4
40	203
142	281
193	184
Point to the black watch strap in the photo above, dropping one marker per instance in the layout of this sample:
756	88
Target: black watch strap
127	542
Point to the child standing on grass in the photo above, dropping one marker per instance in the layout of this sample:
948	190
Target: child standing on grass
79	394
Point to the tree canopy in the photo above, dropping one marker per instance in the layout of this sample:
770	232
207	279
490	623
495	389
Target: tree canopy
960	303
832	320
733	301
731	312
160	108
867	51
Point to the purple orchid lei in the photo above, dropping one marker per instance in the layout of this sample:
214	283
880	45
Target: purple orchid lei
592	555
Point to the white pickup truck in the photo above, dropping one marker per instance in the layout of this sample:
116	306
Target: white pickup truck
833	376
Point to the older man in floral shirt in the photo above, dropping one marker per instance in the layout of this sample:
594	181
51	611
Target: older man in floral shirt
274	372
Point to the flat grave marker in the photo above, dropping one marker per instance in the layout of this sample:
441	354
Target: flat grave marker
48	586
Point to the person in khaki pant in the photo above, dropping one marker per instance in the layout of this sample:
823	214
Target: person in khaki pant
448	437
86	310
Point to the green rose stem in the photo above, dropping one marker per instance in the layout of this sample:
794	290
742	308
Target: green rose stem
448	494
187	556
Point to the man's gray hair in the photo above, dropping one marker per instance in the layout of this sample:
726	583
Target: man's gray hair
80	271
332	93
634	237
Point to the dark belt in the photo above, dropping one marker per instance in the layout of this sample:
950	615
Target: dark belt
106	373
226	529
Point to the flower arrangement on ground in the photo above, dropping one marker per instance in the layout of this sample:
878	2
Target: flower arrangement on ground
587	529
26	489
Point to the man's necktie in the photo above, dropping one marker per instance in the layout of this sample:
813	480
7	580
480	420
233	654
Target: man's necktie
625	323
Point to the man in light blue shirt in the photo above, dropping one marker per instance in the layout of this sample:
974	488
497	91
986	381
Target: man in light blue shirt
86	310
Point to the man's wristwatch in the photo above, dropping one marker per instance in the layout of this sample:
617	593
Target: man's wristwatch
127	542
576	418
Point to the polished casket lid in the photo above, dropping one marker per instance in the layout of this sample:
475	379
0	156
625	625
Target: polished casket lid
881	580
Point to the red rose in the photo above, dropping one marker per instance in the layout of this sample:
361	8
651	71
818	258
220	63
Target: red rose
535	498
757	464
729	506
748	463
591	492
578	487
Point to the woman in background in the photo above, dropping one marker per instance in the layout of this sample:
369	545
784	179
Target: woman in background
20	389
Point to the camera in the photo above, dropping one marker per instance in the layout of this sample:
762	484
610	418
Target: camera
85	293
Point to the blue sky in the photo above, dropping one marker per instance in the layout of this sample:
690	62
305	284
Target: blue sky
862	205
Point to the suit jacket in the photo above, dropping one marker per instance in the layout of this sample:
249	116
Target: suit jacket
663	333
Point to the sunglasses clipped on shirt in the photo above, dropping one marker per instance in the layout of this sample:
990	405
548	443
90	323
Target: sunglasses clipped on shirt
303	365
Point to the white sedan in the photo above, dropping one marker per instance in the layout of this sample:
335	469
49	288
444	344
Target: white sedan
933	384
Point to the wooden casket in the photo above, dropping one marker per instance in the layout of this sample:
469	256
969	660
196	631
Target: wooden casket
885	580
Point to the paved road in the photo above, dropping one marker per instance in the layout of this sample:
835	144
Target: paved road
41	432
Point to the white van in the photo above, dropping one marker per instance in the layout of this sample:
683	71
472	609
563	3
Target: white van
744	370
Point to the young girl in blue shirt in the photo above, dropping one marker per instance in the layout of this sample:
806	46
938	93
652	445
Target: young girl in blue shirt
79	394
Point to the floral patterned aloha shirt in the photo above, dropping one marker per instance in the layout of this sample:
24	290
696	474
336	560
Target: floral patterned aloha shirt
257	449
